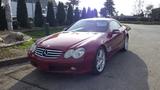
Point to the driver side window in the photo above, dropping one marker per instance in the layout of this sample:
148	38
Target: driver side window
114	25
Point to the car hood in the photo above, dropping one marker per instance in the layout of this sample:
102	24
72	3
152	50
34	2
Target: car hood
64	40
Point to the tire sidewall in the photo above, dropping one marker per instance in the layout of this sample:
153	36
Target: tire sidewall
124	47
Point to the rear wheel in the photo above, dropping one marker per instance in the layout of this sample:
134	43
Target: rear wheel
100	61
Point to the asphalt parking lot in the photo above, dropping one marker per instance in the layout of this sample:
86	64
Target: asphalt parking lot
137	69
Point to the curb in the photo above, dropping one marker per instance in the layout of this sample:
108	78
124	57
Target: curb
13	61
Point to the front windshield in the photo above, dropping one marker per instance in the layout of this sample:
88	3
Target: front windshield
89	26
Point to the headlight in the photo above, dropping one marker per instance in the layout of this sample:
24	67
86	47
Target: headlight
78	53
69	53
33	47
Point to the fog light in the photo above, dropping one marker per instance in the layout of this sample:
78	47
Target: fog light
73	68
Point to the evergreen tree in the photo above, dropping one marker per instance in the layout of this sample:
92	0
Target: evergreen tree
103	12
22	14
76	14
3	21
38	20
61	15
70	15
92	14
73	2
0	3
95	13
89	13
109	5
50	14
84	13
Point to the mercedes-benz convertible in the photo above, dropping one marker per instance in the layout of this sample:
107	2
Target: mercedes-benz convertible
83	47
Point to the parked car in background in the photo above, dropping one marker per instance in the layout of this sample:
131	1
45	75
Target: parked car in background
86	46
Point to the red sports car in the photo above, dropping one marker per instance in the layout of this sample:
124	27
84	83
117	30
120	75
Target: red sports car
83	47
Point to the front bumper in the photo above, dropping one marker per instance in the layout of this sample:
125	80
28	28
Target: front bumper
62	65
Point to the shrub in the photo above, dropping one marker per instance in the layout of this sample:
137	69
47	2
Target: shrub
84	13
38	20
3	21
76	14
50	15
70	15
61	15
22	14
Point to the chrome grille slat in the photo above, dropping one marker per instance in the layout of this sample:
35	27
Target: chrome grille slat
48	53
41	49
38	53
54	53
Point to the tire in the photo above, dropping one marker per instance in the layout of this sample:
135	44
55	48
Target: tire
100	61
125	45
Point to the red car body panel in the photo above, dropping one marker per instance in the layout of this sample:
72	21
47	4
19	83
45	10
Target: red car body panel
64	41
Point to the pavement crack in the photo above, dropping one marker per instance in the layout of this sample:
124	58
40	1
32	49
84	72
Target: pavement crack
31	84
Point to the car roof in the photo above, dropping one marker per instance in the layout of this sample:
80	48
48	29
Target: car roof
107	19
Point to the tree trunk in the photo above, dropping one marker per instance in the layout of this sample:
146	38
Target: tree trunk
8	13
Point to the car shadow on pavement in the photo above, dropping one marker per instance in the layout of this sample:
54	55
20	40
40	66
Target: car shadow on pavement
125	71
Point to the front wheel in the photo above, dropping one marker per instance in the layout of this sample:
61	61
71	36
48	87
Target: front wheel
125	45
100	61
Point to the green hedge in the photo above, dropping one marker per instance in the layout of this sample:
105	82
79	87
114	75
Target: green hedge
141	22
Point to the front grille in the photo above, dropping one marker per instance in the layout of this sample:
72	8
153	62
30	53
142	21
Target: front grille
48	53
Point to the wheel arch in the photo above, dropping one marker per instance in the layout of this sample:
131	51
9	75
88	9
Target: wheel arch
127	35
103	46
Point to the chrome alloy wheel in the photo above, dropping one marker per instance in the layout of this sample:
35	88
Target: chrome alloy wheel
101	60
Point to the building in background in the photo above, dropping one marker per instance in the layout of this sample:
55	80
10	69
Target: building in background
155	15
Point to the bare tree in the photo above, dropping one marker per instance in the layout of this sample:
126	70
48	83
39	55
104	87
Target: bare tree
148	10
138	8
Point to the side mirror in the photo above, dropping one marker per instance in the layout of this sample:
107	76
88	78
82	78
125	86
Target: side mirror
127	27
64	29
115	31
110	34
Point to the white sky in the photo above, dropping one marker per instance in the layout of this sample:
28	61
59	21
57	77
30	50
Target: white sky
123	6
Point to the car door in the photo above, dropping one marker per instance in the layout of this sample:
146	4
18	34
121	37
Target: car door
120	36
117	38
